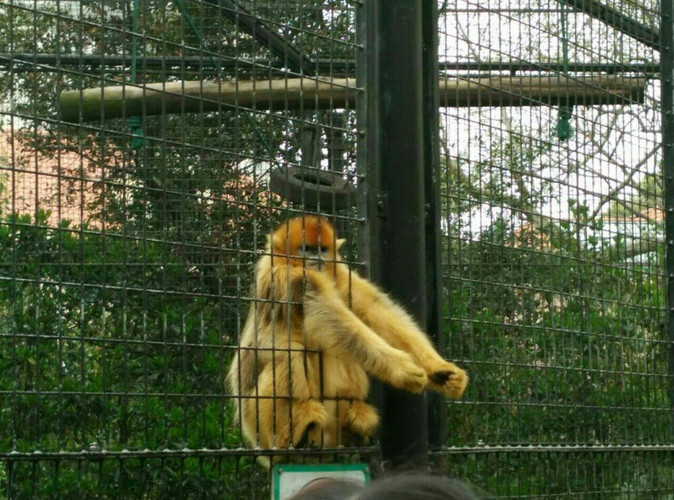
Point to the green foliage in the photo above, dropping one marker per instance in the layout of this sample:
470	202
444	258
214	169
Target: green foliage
107	342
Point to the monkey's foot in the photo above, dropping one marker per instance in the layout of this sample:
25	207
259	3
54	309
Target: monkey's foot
447	378
361	419
309	418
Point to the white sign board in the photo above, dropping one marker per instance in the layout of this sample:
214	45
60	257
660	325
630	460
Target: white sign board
288	480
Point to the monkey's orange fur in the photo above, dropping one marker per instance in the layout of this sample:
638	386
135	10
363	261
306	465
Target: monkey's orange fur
312	336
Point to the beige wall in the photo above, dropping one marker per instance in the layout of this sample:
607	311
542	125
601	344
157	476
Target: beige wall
33	180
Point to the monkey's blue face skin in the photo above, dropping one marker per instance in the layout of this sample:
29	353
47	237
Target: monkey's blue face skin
315	256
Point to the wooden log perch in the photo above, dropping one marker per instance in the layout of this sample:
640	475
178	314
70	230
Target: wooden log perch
104	103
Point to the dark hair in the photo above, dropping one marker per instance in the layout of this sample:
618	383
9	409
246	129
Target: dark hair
328	489
418	486
405	486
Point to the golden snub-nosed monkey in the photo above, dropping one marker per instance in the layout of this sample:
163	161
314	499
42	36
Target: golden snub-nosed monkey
313	334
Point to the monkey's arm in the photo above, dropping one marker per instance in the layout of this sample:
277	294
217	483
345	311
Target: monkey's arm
331	326
397	327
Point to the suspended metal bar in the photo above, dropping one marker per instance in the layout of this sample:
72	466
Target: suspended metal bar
177	64
616	19
257	28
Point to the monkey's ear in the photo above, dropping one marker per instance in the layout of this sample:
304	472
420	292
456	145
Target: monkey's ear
339	243
274	241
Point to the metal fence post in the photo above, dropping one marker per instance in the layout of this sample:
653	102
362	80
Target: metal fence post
667	76
437	409
396	188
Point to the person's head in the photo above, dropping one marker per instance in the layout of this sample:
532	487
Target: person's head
417	486
403	486
328	489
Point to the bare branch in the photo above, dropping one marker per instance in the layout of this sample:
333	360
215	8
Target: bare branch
628	181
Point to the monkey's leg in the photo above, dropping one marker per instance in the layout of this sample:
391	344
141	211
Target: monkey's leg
285	408
359	418
280	422
267	424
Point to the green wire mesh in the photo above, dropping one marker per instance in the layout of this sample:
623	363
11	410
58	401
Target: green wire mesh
127	244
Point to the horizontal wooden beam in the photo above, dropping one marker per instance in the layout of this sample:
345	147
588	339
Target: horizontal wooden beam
104	103
542	90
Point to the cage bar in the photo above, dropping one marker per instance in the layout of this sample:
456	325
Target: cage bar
396	195
667	82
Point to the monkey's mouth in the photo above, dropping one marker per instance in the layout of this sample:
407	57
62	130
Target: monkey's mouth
316	264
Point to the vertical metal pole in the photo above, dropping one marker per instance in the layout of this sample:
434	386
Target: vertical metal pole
437	408
667	75
396	193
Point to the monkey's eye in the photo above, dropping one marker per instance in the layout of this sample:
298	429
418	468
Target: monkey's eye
308	249
314	249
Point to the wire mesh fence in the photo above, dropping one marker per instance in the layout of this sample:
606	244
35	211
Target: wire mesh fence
149	147
138	143
554	265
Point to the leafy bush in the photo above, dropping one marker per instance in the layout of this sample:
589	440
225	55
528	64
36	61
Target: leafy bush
108	343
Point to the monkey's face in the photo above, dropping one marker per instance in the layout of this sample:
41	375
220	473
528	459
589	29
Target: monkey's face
315	256
308	242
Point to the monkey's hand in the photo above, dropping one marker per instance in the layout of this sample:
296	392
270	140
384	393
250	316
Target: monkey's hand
405	373
447	378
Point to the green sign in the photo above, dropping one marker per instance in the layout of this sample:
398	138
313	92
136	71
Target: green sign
288	480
